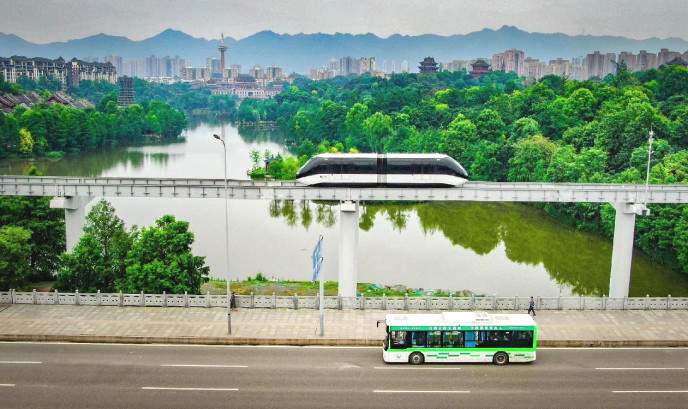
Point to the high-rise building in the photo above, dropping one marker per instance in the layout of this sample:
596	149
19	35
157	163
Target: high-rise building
348	66
510	61
367	64
256	72
646	61
627	59
664	56
273	73
600	65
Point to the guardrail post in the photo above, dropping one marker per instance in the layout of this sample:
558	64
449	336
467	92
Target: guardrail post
76	298
361	302
186	300
494	302
339	302
625	303
384	301
100	302
647	301
604	303
561	303
142	303
406	302
274	301
451	302
472	302
582	302
11	296
516	303
253	301
296	301
538	303
57	297
164	298
121	299
669	302
207	299
34	297
317	301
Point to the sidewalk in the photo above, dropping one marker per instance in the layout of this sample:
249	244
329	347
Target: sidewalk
62	323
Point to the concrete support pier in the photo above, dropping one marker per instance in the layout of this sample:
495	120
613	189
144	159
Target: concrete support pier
622	253
75	216
348	248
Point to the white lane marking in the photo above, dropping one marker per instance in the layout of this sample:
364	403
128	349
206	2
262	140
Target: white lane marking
416	369
402	391
640	369
650	391
160	388
20	362
204	366
6	384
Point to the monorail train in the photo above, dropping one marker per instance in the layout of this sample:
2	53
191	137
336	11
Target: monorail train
371	169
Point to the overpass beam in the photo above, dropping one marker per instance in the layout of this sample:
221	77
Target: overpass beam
622	252
348	248
75	216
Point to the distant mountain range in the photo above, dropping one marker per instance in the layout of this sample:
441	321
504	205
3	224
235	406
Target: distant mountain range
300	52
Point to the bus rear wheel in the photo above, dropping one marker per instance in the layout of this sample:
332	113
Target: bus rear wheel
500	358
416	358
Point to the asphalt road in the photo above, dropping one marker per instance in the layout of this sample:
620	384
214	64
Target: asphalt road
157	376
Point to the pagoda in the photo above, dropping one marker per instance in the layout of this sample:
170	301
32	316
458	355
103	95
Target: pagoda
126	92
428	66
479	69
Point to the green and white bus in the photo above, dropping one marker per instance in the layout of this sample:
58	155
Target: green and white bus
460	337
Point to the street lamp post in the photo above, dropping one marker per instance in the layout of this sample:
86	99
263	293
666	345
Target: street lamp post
229	294
649	155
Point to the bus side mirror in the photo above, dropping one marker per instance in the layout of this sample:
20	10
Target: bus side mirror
378	323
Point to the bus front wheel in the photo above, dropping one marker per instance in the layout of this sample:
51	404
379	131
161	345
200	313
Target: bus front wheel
500	358
416	358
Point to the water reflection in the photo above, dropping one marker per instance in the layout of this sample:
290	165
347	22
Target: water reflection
573	259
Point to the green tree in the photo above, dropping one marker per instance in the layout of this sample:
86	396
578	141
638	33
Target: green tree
378	130
15	257
98	260
531	159
161	260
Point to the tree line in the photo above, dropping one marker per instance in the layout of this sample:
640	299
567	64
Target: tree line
554	130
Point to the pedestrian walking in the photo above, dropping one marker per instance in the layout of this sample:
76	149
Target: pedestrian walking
232	302
531	306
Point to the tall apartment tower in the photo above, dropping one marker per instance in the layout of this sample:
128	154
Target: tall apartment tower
222	49
126	92
510	61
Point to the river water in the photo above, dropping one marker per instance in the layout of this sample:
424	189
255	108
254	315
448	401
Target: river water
488	248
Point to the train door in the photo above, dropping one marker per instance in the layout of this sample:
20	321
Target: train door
381	169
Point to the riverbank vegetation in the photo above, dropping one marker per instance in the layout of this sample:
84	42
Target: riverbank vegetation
52	130
556	130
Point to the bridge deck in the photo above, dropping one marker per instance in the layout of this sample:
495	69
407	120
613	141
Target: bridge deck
256	190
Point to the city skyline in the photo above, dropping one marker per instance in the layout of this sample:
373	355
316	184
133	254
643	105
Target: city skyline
45	21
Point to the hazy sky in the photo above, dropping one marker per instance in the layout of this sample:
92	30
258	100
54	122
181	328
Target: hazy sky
44	21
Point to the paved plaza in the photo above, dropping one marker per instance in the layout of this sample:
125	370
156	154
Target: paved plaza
25	322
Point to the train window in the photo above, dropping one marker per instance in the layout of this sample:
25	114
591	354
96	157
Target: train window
398	167
365	167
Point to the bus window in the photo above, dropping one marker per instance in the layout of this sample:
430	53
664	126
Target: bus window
522	339
452	339
434	339
471	337
418	339
398	339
